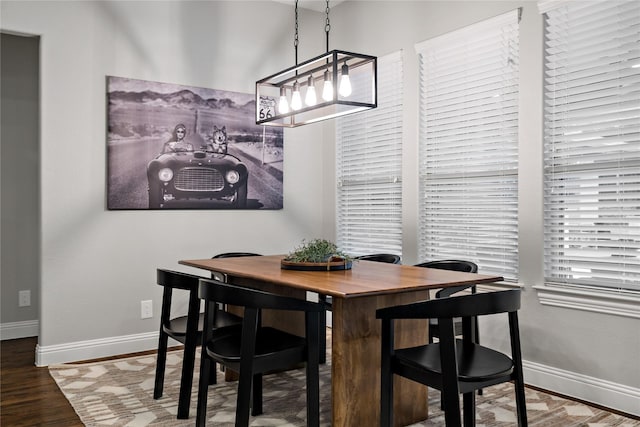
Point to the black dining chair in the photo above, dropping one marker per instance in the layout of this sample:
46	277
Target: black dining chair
234	254
454	265
388	258
251	349
327	300
453	366
222	277
185	329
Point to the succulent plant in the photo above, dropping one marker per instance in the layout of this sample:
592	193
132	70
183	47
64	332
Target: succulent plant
317	250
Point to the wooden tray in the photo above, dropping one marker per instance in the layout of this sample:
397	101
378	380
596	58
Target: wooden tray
340	264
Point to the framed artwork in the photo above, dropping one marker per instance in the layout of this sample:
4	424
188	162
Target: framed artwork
181	147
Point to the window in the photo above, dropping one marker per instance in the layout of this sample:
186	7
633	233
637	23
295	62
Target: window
469	146
592	144
369	169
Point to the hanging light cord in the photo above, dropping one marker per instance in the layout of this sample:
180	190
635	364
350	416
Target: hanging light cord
295	39
327	26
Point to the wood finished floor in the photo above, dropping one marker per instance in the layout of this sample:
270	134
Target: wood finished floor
28	395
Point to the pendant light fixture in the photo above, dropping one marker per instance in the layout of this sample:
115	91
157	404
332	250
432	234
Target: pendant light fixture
279	100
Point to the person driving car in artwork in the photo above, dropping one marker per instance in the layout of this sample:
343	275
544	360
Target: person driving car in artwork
177	142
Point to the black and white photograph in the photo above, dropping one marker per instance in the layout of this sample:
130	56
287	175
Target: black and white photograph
171	146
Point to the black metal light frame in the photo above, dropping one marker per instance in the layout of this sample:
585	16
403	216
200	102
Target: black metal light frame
363	75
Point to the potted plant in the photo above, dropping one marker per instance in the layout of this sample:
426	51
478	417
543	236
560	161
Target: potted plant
317	254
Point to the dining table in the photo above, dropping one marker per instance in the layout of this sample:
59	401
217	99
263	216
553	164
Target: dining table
355	332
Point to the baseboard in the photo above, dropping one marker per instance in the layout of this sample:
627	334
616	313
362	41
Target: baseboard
619	397
93	349
15	330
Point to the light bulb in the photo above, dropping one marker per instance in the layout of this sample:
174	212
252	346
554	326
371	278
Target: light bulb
296	100
283	106
345	83
310	98
327	89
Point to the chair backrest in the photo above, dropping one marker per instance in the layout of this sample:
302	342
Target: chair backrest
215	290
388	258
177	280
453	265
171	280
234	254
479	304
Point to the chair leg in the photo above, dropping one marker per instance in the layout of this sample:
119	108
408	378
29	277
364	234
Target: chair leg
451	408
477	341
469	409
256	403
213	373
250	323
160	364
518	377
313	360
323	341
203	389
323	331
313	398
386	400
521	406
386	375
433	333
243	403
189	355
186	380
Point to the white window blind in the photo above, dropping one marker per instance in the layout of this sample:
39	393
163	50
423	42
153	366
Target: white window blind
469	145
369	169
592	143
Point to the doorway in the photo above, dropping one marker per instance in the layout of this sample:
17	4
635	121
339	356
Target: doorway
19	185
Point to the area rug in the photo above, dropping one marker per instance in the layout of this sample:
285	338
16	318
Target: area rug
120	393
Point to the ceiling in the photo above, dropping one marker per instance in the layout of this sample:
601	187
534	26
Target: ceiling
316	5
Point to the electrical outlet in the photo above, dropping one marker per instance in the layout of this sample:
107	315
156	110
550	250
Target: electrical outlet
146	309
24	298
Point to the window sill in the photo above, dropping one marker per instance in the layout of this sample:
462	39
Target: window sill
626	304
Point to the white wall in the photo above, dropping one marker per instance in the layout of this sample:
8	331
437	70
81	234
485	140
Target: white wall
97	265
592	356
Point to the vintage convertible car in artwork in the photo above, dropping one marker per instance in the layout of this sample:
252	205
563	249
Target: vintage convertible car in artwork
198	175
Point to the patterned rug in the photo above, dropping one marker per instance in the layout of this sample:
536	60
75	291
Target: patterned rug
120	393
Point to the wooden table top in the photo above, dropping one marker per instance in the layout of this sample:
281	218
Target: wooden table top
365	278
